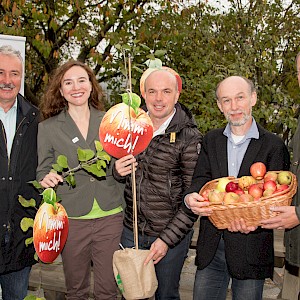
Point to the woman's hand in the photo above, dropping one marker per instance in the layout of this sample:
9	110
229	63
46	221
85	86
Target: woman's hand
51	180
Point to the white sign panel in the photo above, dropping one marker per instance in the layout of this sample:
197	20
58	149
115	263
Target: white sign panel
18	43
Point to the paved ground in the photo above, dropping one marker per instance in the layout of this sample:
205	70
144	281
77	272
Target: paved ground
271	289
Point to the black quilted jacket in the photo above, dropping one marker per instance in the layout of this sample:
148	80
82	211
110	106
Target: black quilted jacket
164	172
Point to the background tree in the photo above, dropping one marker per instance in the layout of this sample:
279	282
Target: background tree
258	39
204	43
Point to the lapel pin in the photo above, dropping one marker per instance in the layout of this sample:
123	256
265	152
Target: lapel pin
75	140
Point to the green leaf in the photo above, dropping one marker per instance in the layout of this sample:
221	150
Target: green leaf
160	53
151	57
138	69
36	184
94	170
70	179
49	196
26	203
101	164
36	256
145	47
30	297
28	241
103	156
57	168
155	63
85	154
26	223
132	99
62	161
98	146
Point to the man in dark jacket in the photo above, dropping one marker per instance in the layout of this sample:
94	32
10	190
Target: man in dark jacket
289	219
244	254
164	171
18	161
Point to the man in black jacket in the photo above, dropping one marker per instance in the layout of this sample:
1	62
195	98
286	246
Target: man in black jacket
18	161
243	254
164	171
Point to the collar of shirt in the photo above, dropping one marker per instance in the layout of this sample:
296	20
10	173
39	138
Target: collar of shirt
236	151
162	128
9	120
252	133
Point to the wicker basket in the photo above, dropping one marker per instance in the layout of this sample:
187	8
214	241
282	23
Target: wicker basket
251	212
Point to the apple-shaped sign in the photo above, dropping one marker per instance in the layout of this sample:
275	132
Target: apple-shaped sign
50	230
126	128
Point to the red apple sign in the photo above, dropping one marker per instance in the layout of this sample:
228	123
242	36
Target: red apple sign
50	231
124	130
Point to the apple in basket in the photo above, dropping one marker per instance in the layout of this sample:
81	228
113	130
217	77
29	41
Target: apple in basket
221	186
239	191
270	185
244	182
284	177
231	198
246	198
270	175
256	191
215	196
205	194
231	186
258	170
281	187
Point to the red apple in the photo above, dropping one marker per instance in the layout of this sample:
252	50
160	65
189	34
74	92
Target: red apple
255	191
231	198
239	191
258	170
261	185
205	194
115	134
50	231
281	187
270	175
269	185
231	186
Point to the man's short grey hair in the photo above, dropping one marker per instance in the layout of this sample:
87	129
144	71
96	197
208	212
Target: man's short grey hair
10	51
250	83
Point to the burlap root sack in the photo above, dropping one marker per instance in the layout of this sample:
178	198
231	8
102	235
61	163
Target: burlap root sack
135	280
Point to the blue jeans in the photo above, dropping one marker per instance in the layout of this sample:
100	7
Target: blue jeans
14	285
211	283
168	270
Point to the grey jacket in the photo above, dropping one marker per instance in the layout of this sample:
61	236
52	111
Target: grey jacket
292	236
60	135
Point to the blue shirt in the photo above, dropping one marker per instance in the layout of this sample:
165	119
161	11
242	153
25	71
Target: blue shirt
236	151
9	120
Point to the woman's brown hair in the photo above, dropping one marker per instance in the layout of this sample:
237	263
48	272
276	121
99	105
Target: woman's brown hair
53	102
